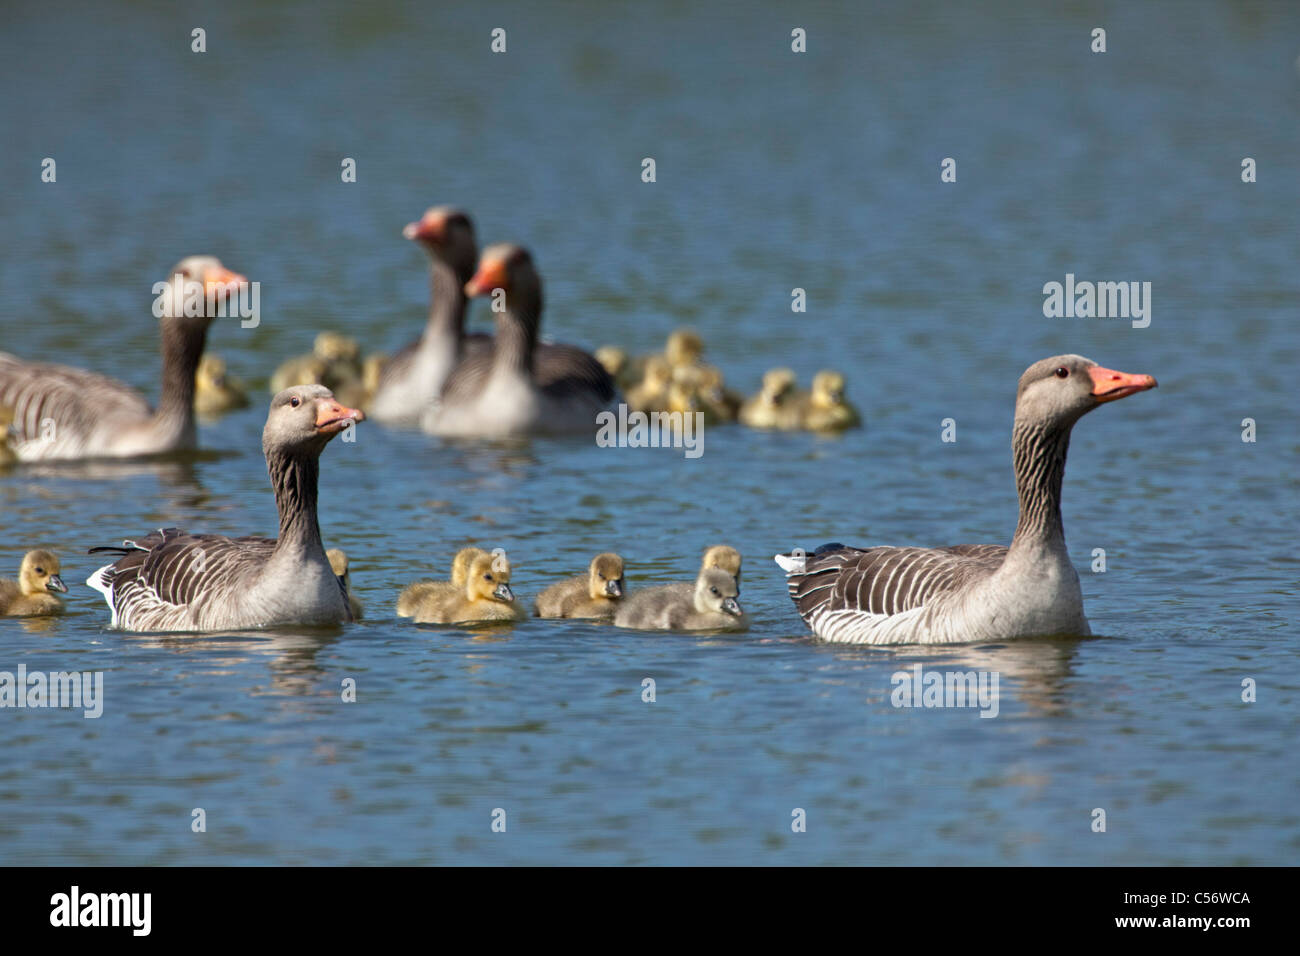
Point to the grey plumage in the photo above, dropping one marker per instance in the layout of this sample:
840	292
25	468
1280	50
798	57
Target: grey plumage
707	605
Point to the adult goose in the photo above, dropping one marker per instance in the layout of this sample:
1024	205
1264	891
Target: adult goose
413	378
174	581
62	412
969	592
504	392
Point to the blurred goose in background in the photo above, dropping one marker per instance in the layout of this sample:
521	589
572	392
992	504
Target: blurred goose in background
413	378
61	412
776	406
825	409
707	605
214	391
486	596
725	558
33	594
339	565
7	454
334	361
414	594
170	580
615	360
594	595
504	393
973	592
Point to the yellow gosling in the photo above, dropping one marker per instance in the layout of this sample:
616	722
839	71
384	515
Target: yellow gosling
32	595
486	597
339	563
594	595
723	557
776	406
410	599
214	391
826	409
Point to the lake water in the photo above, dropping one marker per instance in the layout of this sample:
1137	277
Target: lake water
775	170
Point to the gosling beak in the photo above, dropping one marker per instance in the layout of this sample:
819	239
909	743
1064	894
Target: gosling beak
221	283
55	583
429	230
490	275
332	418
614	588
502	592
1109	385
731	606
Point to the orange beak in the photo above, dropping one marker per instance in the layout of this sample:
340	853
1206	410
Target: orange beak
331	417
431	229
1108	384
222	282
491	275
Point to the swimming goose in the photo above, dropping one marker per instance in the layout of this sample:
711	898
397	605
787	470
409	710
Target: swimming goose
776	406
214	391
507	391
62	412
32	594
415	593
486	596
973	592
724	557
825	409
595	594
173	581
413	378
338	560
707	605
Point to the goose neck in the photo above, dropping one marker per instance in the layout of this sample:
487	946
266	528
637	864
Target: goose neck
1038	453
294	478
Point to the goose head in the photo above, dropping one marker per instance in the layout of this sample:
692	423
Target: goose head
715	590
828	389
510	268
778	386
460	565
605	576
724	558
39	574
1055	392
447	234
489	579
303	418
181	301
684	348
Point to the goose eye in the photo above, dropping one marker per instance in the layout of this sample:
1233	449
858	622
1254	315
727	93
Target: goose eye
295	401
714	590
487	577
40	570
1062	372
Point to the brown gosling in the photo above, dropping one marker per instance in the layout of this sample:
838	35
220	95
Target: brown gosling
215	392
339	563
595	595
411	598
486	597
724	557
826	409
32	594
777	403
707	605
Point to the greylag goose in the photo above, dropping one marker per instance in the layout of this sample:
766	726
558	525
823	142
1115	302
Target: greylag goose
968	593
174	581
825	408
726	558
32	595
214	391
776	406
415	593
412	379
594	595
505	392
485	597
338	560
707	605
68	413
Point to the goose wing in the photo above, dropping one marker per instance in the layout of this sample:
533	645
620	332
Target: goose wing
882	582
564	369
77	403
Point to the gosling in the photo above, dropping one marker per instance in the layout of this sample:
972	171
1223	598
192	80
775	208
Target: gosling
826	409
214	392
339	563
32	595
410	599
725	558
776	406
486	597
708	605
594	596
